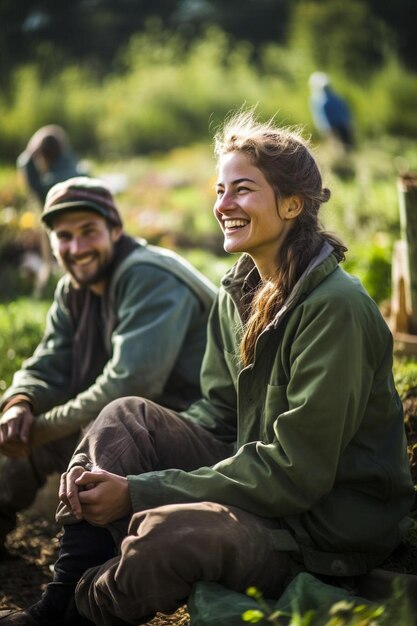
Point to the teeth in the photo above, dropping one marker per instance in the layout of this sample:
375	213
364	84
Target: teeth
235	223
83	261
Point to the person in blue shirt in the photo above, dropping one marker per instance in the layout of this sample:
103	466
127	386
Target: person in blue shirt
331	114
48	159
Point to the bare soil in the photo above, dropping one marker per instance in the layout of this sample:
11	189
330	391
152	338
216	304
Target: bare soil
34	548
34	545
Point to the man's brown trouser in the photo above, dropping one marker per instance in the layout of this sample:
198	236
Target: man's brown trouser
169	548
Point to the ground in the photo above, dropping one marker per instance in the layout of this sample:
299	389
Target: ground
410	421
34	545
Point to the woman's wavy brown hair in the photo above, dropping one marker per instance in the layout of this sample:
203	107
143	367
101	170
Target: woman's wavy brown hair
285	159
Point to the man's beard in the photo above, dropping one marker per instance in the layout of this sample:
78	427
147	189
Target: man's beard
102	273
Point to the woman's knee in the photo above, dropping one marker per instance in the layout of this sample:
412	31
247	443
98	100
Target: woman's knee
117	419
119	440
198	532
121	410
207	541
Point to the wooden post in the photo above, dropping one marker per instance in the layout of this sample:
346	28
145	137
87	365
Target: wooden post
407	195
399	319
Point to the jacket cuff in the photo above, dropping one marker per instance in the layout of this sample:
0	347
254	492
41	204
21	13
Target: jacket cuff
19	398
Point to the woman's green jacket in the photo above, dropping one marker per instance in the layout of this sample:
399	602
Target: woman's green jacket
318	424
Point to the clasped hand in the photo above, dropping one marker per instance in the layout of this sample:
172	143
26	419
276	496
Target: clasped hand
99	497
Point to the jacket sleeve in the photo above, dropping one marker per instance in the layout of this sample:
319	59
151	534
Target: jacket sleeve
154	313
45	377
332	365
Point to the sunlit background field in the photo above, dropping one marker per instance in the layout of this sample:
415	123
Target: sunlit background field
141	88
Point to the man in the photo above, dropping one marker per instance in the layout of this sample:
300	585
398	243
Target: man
127	318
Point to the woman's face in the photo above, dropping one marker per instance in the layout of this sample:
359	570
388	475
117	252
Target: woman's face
247	211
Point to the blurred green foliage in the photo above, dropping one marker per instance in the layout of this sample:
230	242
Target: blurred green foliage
405	370
347	611
371	263
21	326
164	92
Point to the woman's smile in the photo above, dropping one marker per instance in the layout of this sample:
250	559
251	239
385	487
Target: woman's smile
234	224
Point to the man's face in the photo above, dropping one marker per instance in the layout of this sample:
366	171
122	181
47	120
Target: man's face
83	244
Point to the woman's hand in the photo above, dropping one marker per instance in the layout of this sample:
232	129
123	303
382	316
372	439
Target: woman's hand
99	497
68	490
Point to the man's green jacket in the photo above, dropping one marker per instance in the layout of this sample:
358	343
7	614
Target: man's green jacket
317	421
153	319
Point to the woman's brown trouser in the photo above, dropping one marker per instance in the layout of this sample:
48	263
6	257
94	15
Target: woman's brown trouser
169	548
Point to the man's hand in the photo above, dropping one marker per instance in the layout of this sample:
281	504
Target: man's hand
15	426
98	497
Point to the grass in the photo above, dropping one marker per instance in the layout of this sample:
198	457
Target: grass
21	327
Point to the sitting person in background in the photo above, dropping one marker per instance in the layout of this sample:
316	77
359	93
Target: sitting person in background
295	457
127	318
331	114
47	159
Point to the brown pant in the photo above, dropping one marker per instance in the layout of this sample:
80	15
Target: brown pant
169	548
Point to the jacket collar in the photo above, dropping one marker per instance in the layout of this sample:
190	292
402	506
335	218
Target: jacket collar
243	279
